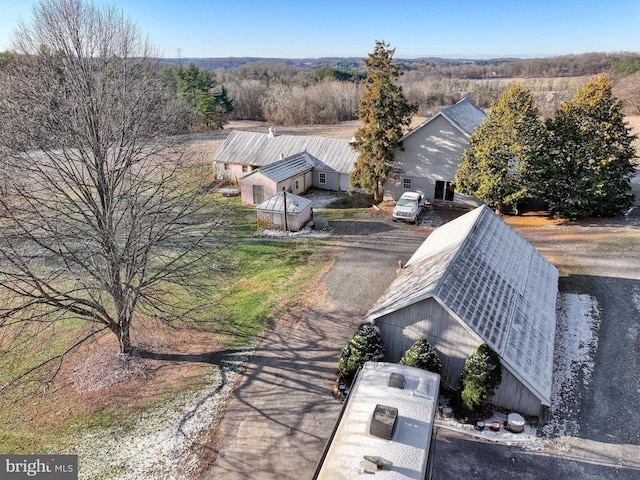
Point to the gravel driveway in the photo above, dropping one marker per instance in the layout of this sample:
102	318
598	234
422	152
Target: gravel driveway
281	414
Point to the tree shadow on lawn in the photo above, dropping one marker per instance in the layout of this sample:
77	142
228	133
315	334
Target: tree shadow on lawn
216	357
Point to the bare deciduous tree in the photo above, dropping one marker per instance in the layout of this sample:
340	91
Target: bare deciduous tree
100	222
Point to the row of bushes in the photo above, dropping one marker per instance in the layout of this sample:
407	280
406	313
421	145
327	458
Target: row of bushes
481	375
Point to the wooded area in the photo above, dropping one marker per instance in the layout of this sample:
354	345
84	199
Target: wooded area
327	91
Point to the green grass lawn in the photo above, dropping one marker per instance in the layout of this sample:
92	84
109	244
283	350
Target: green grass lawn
267	279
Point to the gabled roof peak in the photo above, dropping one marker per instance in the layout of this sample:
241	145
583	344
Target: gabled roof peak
465	115
493	281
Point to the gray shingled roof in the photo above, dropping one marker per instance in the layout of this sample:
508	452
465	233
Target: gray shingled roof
465	115
295	204
491	279
259	149
286	168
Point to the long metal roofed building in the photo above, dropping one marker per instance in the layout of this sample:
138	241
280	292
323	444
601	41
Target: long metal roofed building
386	426
476	280
243	152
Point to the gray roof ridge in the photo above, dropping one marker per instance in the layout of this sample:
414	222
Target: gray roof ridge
467	238
446	112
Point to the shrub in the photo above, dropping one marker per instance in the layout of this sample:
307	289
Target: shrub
422	355
365	345
481	375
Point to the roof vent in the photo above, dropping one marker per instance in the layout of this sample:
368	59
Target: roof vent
396	380
382	421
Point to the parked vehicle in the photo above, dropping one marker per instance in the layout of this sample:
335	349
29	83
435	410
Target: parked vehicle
409	207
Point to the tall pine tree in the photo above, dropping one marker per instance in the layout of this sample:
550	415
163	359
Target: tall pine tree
384	112
589	156
500	150
208	103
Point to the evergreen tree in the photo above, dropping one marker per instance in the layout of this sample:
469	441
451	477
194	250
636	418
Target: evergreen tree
589	156
365	345
384	112
422	355
500	150
481	375
208	103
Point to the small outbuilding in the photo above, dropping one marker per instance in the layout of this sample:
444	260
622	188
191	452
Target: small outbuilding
475	280
284	211
293	174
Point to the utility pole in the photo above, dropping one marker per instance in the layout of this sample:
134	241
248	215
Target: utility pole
284	194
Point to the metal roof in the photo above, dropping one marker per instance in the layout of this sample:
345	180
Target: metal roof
286	168
295	203
259	149
495	282
465	115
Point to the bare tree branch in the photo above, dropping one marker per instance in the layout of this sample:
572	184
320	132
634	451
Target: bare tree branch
102	221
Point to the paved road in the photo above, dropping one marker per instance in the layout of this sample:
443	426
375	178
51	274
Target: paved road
277	423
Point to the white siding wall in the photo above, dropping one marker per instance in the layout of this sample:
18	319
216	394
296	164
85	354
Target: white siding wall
430	154
274	220
246	188
232	171
332	180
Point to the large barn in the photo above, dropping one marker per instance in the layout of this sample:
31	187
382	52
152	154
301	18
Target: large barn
475	280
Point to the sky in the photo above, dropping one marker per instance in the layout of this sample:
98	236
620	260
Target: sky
350	28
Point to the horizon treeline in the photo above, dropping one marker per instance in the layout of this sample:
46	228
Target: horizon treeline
327	91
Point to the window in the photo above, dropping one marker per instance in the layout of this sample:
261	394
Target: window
406	183
444	191
245	168
226	166
297	185
322	177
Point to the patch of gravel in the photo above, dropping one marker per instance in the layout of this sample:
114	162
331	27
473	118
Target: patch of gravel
576	342
106	367
163	443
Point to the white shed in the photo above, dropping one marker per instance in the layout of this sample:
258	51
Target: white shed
284	211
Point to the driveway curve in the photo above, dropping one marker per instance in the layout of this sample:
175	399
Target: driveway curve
277	422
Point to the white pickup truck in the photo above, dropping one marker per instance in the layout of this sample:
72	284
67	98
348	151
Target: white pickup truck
408	208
